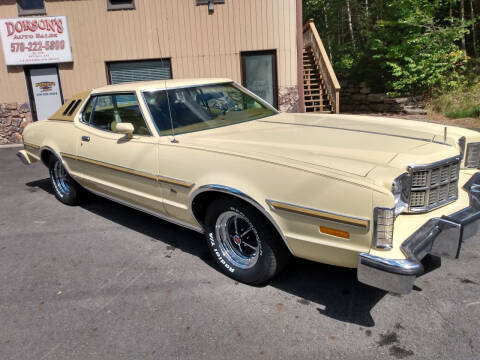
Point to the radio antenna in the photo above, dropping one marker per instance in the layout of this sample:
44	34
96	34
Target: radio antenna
170	114
166	90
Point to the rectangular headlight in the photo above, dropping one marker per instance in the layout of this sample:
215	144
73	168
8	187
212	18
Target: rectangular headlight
383	228
472	156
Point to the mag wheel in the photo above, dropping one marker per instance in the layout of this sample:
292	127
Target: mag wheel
65	188
238	240
243	243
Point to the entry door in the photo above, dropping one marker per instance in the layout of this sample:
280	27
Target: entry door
259	74
44	91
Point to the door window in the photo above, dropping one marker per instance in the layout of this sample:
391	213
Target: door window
106	111
259	73
87	112
103	116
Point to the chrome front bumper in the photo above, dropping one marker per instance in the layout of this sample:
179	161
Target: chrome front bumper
438	236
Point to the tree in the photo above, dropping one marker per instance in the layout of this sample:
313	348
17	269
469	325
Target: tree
398	46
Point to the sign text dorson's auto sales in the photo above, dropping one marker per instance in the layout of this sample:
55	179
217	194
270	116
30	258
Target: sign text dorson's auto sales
39	40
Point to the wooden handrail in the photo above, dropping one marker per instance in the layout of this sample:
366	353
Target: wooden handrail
311	39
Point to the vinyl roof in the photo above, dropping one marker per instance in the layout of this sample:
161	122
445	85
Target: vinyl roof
68	110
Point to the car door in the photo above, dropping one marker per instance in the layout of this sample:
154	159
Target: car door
123	167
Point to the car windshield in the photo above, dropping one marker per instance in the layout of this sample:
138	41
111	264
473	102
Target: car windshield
203	107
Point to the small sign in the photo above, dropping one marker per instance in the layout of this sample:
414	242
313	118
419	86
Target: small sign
46	91
38	40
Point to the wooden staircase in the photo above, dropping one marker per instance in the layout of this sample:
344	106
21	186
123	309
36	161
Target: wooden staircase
316	98
321	87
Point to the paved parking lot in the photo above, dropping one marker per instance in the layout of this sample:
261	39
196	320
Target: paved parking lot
102	281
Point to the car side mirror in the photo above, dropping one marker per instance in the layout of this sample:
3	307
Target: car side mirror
124	128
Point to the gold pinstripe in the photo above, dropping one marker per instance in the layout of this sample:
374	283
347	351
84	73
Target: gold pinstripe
68	156
164	179
33	146
344	219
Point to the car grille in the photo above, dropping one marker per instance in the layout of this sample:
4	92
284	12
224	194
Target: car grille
434	185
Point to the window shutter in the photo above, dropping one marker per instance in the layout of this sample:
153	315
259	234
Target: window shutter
130	71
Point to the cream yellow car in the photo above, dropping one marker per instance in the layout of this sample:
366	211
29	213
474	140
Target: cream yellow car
375	194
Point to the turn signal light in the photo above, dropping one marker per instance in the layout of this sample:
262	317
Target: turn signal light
335	232
383	228
472	158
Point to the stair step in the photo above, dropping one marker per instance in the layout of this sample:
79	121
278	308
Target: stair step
323	99
317	98
317	109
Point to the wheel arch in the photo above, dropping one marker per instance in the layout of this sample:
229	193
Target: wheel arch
206	194
46	152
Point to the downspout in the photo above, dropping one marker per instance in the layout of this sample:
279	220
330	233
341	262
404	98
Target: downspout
301	93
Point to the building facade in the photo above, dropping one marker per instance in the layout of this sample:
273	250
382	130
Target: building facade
254	42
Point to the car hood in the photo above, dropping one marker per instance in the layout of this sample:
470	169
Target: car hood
347	143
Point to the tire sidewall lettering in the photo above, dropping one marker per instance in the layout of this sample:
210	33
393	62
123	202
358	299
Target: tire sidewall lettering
211	238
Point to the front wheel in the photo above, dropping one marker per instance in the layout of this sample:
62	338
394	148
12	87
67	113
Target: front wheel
243	243
65	188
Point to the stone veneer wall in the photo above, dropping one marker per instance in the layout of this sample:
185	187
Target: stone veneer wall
288	99
359	99
13	119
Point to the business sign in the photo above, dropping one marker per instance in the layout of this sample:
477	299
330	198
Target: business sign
38	40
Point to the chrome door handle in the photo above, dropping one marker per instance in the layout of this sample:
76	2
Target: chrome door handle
85	138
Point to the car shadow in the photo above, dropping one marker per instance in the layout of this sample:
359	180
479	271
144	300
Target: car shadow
334	291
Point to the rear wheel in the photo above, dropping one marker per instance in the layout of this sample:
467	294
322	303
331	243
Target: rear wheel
64	187
243	243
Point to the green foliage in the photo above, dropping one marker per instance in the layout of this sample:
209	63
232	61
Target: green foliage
473	111
410	47
458	104
419	51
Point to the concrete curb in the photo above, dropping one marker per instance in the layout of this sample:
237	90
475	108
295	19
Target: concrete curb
10	146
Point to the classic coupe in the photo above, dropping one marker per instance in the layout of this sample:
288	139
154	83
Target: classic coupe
371	193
